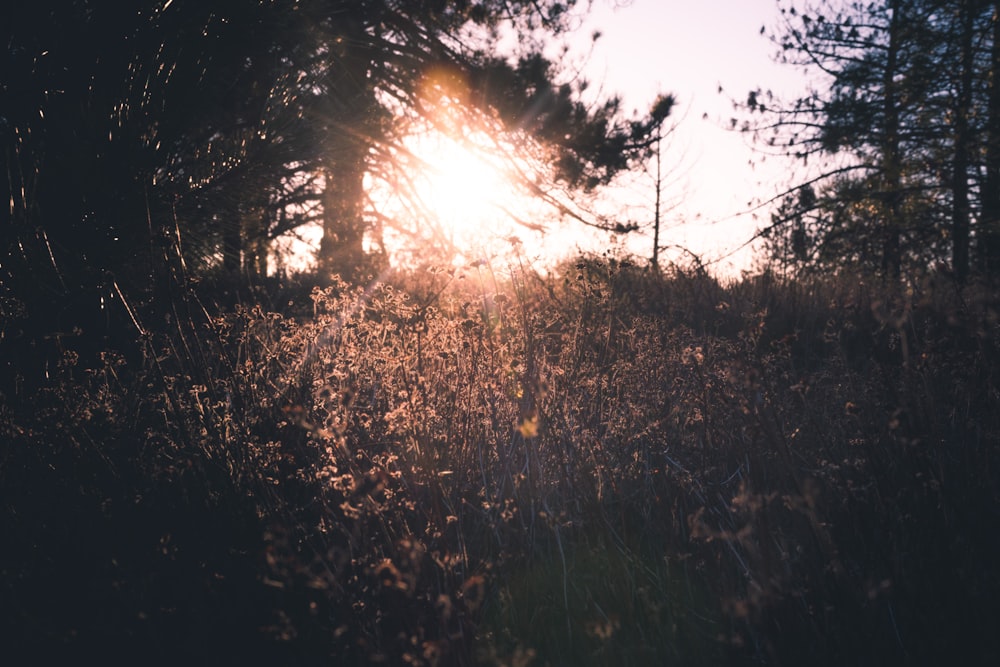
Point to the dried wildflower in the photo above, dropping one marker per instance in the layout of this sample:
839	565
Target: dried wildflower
473	592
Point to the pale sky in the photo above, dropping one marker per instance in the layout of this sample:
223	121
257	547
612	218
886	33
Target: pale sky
690	49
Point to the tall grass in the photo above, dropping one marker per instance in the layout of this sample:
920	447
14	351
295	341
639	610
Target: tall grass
605	465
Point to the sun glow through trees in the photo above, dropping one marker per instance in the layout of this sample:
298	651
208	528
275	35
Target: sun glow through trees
456	187
463	188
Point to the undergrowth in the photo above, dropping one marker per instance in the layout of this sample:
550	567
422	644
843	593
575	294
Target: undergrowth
487	466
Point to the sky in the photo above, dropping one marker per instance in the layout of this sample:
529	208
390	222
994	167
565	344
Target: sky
690	49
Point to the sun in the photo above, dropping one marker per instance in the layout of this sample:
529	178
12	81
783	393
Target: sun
463	189
457	187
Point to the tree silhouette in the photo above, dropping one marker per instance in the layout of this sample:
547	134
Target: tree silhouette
897	118
146	144
989	238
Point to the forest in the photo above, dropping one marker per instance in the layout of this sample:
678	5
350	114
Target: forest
212	452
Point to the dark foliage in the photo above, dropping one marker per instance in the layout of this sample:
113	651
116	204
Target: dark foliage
897	133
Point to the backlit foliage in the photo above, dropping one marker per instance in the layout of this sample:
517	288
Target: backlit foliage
487	466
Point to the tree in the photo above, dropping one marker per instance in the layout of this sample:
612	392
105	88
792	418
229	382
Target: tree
659	113
859	52
370	65
989	237
898	126
962	153
75	174
144	142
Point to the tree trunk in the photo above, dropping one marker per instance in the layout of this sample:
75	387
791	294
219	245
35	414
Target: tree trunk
656	215
960	160
350	109
232	244
892	169
341	250
989	235
256	241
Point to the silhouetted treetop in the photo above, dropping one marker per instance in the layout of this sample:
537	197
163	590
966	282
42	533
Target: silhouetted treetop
899	131
150	144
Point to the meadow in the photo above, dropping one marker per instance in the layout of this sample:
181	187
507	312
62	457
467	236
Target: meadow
604	465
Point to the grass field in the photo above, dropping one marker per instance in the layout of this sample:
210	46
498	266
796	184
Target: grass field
602	466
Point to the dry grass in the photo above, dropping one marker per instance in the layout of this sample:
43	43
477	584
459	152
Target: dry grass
486	466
